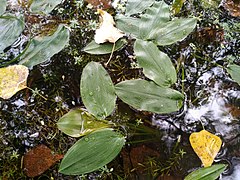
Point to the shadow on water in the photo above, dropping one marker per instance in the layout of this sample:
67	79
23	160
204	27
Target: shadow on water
157	144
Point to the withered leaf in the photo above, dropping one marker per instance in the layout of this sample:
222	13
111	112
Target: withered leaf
38	160
12	79
206	146
107	32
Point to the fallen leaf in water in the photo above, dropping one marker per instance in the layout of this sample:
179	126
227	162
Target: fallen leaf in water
103	4
38	160
12	79
107	31
207	35
233	7
206	146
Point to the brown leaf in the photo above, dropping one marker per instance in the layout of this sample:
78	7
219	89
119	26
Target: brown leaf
233	6
208	35
38	160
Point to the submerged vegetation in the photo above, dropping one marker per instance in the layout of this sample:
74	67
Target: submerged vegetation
124	106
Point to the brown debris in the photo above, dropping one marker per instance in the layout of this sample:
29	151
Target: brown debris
208	35
133	162
38	160
233	6
135	167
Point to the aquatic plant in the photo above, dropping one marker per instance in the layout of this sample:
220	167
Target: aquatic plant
99	94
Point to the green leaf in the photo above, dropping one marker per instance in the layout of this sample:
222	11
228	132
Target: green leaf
173	31
44	6
147	96
209	173
137	6
43	48
129	25
156	65
92	152
234	71
10	29
212	4
155	17
79	122
177	6
105	48
97	90
3	5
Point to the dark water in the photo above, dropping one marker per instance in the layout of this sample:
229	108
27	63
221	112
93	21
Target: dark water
212	99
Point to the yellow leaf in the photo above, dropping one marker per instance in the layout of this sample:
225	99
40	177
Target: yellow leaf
206	146
12	79
107	32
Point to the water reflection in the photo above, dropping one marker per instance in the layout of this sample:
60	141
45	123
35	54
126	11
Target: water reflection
215	105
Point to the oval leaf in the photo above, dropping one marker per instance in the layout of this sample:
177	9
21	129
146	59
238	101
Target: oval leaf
128	25
3	5
208	173
92	152
173	31
97	90
78	122
43	48
105	48
156	65
234	71
136	6
10	29
12	79
206	146
147	96
154	18
44	6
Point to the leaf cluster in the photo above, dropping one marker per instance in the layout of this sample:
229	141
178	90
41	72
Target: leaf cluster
38	49
99	94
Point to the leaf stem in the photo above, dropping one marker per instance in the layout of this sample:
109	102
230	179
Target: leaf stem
113	48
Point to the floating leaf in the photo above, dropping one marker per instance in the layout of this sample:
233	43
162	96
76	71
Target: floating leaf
78	122
177	6
136	6
233	6
92	152
38	160
156	65
105	48
129	25
12	79
206	146
10	29
104	4
207	173
3	5
43	48
155	25
97	90
145	95
155	17
45	6
107	32
173	31
234	71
